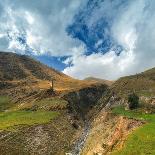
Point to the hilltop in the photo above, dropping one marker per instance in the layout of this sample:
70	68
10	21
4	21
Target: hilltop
93	79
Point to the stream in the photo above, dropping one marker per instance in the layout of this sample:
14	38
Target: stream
79	144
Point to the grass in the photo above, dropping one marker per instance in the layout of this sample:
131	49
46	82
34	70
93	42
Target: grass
142	140
11	120
13	116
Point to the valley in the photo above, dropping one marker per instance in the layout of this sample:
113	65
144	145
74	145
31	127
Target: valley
78	117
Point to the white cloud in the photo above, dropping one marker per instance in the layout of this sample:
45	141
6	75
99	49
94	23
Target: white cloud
44	25
107	66
29	18
133	28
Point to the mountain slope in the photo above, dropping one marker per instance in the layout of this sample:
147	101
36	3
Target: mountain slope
17	67
142	83
44	121
93	79
116	129
23	72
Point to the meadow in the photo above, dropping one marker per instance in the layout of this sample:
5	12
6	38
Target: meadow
142	140
12	118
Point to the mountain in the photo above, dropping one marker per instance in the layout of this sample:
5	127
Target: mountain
114	125
45	121
37	120
93	79
18	67
24	73
142	83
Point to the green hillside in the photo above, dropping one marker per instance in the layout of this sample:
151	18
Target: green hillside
142	140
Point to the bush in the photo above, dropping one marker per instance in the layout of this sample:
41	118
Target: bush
133	101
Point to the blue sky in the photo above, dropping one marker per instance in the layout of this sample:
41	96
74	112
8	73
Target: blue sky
52	61
101	38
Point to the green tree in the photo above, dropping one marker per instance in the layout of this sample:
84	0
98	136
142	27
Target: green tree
133	101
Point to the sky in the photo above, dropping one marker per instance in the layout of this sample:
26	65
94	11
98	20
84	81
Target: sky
101	38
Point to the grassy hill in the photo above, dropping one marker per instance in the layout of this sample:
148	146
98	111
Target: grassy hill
21	77
142	83
36	120
18	67
118	131
142	140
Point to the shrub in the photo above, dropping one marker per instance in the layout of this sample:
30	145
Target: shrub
133	101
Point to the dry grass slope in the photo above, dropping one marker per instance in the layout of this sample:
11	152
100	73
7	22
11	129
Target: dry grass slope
143	84
20	74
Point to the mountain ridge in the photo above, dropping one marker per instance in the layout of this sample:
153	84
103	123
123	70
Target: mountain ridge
16	67
99	80
138	83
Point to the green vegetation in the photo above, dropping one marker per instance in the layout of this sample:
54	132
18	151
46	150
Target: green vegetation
13	116
5	103
142	140
11	120
133	101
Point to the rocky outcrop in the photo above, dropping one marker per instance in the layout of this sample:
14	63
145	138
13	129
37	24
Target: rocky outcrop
108	132
83	106
148	100
83	100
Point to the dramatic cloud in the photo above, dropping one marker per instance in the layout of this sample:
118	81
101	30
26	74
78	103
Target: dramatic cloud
38	26
101	38
133	28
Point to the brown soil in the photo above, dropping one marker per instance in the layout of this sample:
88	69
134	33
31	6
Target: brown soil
108	132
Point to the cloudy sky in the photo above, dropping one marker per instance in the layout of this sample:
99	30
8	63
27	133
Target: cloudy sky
101	38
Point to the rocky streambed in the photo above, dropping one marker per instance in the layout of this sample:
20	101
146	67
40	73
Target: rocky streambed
79	144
